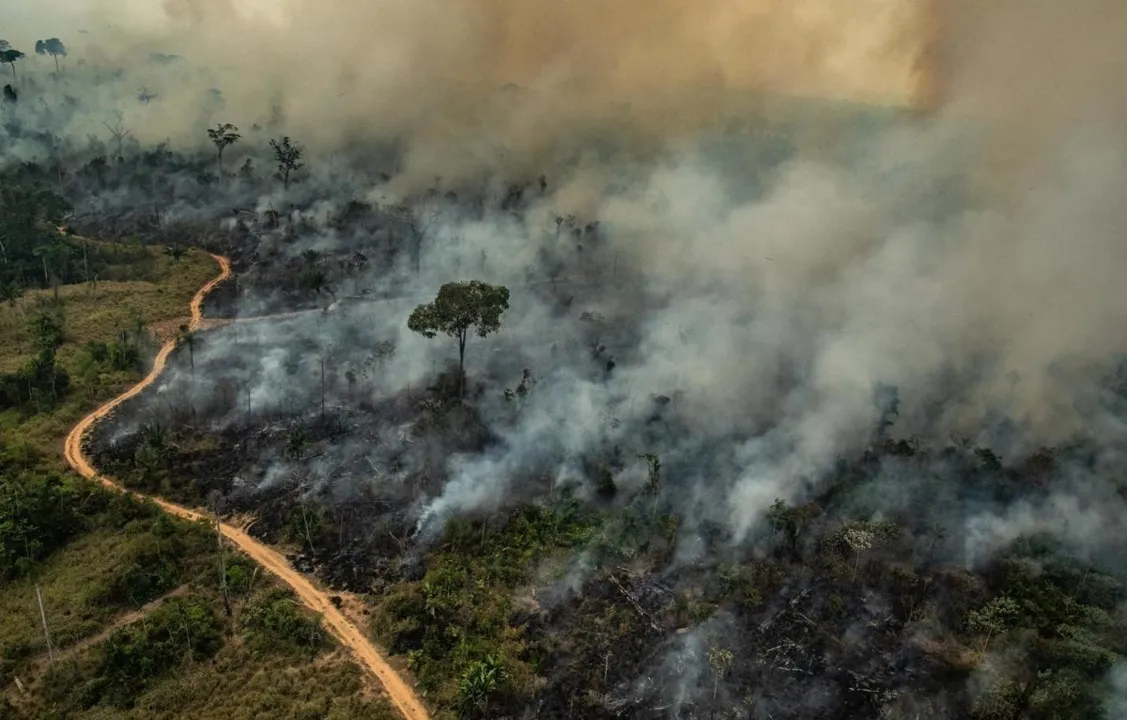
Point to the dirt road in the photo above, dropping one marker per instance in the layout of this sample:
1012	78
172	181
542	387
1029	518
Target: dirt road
399	692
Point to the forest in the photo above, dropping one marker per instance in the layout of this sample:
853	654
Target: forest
803	411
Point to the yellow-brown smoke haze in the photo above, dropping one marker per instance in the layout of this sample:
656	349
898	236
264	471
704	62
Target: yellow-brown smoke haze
435	69
1033	279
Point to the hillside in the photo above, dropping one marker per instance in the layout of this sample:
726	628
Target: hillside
568	361
122	585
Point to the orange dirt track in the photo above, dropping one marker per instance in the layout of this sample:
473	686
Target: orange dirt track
399	692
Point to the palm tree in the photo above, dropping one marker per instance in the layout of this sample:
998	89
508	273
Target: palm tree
10	56
482	679
189	338
53	47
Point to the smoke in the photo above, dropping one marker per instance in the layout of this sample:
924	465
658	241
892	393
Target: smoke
470	84
765	262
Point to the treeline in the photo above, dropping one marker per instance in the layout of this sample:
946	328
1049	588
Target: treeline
31	250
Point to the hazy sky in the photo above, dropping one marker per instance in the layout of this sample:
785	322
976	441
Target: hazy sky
22	22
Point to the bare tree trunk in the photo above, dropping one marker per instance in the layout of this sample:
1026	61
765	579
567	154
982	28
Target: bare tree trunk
462	365
222	566
43	618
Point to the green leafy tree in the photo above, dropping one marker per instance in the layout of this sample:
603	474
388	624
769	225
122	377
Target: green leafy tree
223	136
9	57
479	684
992	618
459	307
53	47
288	156
721	661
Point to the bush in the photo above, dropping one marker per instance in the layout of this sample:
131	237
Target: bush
274	623
182	629
39	513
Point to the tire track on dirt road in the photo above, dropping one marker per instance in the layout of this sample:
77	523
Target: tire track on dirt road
401	695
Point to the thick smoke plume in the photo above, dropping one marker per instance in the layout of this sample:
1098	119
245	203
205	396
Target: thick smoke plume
750	262
468	81
970	257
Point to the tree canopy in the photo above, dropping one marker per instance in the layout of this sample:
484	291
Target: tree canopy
222	136
53	47
458	307
288	155
9	57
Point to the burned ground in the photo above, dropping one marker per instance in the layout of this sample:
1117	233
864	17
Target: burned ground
600	597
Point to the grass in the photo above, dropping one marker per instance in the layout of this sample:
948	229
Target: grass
458	613
71	583
239	685
98	312
130	567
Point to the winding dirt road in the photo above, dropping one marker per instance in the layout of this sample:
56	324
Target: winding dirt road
399	692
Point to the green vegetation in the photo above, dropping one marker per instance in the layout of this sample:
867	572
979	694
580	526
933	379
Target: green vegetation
1035	632
110	608
62	351
453	624
459	307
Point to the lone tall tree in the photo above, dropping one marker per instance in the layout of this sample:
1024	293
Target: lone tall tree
458	307
53	47
9	57
287	154
223	136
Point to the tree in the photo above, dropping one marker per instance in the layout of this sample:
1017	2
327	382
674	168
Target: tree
97	167
721	661
53	47
993	618
458	307
287	154
118	131
481	680
9	57
859	539
189	338
653	478
222	136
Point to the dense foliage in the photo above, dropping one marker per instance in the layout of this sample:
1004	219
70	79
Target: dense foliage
31	250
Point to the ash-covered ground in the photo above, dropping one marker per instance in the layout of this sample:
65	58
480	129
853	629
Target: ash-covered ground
800	408
577	514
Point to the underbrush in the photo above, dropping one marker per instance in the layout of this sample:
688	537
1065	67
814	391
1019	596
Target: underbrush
108	606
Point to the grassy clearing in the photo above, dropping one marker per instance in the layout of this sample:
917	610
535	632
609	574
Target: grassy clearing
139	628
132	596
72	583
238	685
97	312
